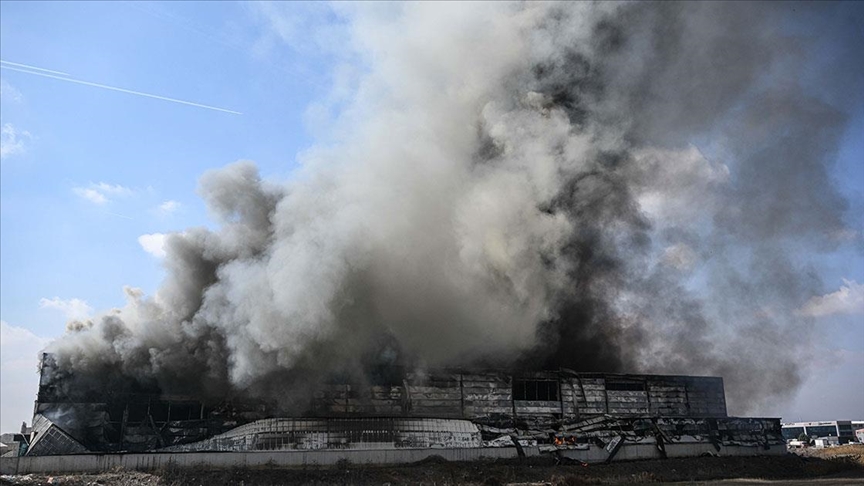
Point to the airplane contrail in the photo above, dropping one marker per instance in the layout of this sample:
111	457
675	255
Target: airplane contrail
34	68
115	88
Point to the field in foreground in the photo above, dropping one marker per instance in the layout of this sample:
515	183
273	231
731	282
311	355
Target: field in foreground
841	465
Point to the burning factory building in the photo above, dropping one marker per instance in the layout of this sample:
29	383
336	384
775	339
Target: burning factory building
549	411
519	205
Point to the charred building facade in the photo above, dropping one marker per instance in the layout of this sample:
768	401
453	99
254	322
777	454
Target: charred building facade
448	408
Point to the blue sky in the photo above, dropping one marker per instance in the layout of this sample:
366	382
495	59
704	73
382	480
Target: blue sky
87	171
70	138
155	150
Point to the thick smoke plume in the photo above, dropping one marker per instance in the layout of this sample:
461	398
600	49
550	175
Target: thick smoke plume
517	185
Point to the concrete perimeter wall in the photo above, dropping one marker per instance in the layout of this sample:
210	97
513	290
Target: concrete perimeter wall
91	463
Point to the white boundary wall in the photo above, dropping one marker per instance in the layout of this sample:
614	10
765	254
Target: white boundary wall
92	463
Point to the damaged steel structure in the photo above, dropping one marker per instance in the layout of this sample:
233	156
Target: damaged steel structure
575	416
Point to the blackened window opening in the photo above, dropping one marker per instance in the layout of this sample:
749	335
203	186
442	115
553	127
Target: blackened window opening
624	386
535	390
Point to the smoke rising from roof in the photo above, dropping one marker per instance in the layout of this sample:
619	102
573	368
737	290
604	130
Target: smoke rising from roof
515	185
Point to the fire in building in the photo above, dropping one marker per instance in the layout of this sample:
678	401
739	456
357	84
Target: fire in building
595	187
586	415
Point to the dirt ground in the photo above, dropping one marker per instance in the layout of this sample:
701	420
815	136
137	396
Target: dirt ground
836	466
854	452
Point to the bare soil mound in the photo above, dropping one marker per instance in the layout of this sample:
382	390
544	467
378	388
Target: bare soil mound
838	463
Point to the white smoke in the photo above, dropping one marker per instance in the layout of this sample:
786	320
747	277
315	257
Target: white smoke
504	187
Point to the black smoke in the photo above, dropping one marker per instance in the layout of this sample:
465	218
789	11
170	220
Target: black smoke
524	186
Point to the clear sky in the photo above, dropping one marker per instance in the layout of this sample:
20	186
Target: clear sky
65	237
91	176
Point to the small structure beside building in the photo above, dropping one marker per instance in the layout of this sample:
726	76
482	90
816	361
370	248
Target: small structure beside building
796	444
14	445
823	442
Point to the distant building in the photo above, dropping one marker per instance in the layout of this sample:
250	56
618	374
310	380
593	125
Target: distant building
841	429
